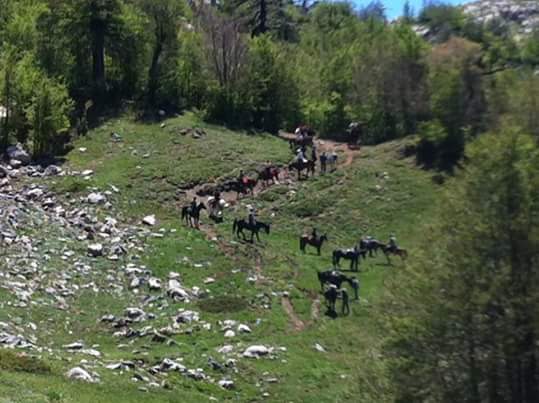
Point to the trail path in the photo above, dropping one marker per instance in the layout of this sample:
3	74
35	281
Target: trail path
297	323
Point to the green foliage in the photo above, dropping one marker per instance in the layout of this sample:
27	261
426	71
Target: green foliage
48	115
464	311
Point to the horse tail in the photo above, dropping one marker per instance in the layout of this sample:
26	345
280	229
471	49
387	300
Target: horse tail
234	225
334	258
184	212
301	244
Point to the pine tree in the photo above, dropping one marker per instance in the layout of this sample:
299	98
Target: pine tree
464	318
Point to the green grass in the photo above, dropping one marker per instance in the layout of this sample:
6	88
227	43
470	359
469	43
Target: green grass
346	205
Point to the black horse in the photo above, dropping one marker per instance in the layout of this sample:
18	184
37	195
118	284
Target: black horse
240	225
331	295
370	246
334	277
349	254
301	166
192	215
305	240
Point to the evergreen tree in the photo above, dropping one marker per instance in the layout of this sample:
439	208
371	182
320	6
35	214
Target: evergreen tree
463	319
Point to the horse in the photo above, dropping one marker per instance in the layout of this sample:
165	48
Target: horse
334	277
301	166
245	187
192	216
269	174
240	225
349	254
305	240
388	250
370	246
331	295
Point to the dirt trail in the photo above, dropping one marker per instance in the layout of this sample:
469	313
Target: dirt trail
297	323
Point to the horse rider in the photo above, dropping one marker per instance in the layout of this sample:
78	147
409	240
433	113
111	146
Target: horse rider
251	218
323	162
355	287
193	205
392	243
345	303
300	157
242	178
331	297
267	168
314	234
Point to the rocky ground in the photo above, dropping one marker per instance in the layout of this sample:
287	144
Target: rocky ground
54	249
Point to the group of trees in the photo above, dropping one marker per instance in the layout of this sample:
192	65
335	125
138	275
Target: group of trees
261	64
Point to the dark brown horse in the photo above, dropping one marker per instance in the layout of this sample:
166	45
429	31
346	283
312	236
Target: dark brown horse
269	174
239	225
301	166
388	250
305	240
244	187
192	215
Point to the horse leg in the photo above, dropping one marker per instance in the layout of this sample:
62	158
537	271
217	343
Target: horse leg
257	237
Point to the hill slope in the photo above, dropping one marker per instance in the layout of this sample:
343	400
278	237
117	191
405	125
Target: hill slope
54	293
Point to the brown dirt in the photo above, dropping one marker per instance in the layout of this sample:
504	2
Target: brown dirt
297	323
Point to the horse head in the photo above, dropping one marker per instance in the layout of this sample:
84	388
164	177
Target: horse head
267	228
323	238
202	206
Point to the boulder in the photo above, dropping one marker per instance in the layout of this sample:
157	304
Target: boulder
149	220
256	351
95	250
96	198
80	374
19	154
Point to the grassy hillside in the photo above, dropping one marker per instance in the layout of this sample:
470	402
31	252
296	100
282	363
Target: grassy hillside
377	193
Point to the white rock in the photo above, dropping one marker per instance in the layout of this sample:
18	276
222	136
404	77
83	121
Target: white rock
256	351
154	284
209	280
96	198
87	172
226	384
95	249
230	334
187	317
149	220
226	349
134	313
244	329
319	348
80	374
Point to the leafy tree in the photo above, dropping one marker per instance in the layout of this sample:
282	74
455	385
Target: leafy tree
164	17
462	319
48	114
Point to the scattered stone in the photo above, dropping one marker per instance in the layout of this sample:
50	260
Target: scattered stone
95	250
319	348
226	384
96	198
256	351
80	374
149	220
